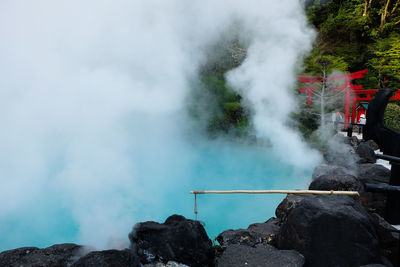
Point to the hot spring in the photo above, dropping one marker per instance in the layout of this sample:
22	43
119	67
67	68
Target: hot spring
94	113
48	220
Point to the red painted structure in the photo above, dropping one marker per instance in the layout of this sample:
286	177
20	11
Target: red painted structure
360	110
353	93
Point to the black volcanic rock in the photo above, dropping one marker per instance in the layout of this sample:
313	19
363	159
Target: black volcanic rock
389	238
366	153
372	144
287	205
259	256
109	258
373	173
177	239
256	233
61	255
344	182
331	170
168	264
330	231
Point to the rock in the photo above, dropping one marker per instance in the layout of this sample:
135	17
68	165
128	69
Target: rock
372	144
340	152
325	169
177	239
330	231
344	182
168	264
366	153
373	173
256	233
388	237
109	258
259	256
287	205
354	141
374	265
55	256
373	202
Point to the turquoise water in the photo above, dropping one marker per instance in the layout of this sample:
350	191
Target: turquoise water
213	166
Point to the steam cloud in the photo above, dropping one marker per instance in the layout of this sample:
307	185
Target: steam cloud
92	96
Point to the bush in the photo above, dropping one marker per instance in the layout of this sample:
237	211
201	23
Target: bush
392	117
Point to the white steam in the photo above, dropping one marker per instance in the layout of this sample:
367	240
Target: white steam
89	89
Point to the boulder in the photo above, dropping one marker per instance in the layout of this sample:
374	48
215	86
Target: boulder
366	153
340	152
259	256
373	173
374	265
354	141
168	264
388	237
256	233
177	239
287	205
55	256
109	258
325	169
330	231
373	202
372	144
344	182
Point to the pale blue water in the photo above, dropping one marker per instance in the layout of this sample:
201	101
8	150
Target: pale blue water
210	167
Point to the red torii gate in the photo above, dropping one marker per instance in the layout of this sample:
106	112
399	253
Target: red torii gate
347	86
352	94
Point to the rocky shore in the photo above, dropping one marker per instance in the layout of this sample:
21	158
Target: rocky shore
309	230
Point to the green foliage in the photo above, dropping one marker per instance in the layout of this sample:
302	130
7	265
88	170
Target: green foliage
311	63
359	38
392	116
307	121
213	97
387	59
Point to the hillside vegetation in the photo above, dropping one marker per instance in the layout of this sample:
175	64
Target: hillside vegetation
352	35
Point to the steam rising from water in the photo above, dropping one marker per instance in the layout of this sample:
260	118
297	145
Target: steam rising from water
94	133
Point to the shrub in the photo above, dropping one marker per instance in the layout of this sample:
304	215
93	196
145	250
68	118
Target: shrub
392	117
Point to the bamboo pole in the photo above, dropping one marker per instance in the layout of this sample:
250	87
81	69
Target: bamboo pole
312	192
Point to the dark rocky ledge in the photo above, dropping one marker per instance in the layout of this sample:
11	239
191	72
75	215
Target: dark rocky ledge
310	230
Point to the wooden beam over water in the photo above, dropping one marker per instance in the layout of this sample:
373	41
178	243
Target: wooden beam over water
312	192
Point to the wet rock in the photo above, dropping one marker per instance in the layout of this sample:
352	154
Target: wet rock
259	256
55	256
366	153
256	233
336	182
109	258
177	239
330	231
388	237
